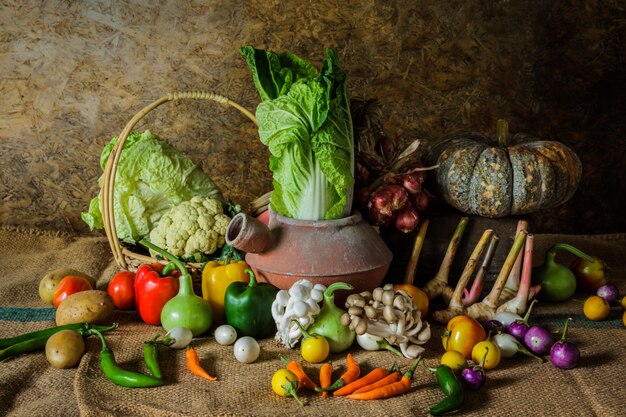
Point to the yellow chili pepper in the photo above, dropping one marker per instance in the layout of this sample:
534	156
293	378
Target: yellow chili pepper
216	277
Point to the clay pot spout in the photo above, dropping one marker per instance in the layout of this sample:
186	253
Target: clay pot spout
248	234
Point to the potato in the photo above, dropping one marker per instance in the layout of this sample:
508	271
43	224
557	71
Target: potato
49	282
92	306
64	349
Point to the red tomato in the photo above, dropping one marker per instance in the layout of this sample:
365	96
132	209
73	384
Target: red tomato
122	290
589	275
69	285
462	334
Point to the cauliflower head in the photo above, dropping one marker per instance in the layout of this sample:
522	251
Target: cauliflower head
196	225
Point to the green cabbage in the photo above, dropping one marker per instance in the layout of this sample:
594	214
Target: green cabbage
151	178
304	119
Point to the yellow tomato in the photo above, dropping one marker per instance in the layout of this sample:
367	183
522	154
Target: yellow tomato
314	349
462	334
455	360
596	308
624	318
488	351
419	297
282	380
458	319
624	302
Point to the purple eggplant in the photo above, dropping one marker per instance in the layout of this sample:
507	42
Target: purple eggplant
564	354
493	326
609	292
538	340
518	328
475	376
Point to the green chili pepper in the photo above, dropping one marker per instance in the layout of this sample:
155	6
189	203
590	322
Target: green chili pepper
121	376
151	354
151	358
451	387
30	342
4	343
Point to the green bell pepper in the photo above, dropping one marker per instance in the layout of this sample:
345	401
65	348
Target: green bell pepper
248	307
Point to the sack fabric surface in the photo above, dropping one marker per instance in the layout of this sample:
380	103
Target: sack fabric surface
520	386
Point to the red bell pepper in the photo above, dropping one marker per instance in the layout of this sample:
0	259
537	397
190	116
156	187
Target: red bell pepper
153	290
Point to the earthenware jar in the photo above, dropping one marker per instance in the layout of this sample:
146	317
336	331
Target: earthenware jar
323	251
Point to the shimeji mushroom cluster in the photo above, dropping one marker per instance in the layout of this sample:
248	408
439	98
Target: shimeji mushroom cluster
390	314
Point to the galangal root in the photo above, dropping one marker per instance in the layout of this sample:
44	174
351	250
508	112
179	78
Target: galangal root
518	289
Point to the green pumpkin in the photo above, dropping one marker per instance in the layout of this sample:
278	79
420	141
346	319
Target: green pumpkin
505	175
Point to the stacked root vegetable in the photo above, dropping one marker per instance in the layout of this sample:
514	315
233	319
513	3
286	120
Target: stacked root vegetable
389	177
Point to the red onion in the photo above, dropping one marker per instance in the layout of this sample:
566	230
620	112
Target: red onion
361	174
407	219
380	203
411	183
388	147
420	201
399	196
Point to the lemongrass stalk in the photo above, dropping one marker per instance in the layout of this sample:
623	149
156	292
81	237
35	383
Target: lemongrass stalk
519	303
471	296
455	307
512	282
486	309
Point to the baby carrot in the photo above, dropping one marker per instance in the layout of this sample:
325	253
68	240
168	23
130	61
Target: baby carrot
371	377
390	390
326	374
303	379
389	379
352	373
193	363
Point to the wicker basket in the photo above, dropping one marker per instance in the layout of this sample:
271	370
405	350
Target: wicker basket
125	258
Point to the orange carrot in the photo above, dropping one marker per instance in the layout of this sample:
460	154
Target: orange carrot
326	374
389	379
390	390
352	373
371	377
303	379
193	363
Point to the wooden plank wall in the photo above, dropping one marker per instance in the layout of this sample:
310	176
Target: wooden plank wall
73	74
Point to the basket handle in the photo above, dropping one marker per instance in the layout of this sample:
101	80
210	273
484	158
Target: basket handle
106	196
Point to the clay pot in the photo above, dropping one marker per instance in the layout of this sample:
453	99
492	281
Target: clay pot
323	251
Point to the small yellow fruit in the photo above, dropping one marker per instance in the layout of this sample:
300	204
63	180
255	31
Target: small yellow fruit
596	308
487	352
624	302
454	360
624	318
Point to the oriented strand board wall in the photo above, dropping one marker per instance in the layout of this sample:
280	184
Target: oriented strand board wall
73	74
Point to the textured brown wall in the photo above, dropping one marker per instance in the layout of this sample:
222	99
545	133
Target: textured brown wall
73	74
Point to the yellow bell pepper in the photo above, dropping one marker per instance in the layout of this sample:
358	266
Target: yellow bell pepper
216	277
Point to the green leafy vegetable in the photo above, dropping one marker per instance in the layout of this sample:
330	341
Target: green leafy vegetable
151	178
304	119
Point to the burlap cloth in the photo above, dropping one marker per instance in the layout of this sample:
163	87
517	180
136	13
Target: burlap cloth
520	386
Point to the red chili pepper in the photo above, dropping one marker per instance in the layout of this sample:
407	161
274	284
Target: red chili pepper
152	291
